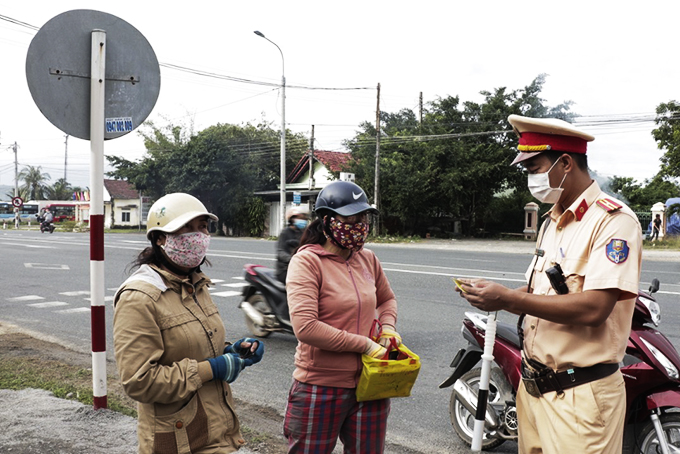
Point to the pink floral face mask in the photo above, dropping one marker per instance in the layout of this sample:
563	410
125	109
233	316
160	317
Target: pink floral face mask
347	235
186	249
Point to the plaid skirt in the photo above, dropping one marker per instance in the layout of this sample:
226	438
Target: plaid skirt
317	415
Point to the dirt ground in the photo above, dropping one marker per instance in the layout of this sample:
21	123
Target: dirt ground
42	423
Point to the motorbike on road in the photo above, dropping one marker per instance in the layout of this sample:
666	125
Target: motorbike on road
264	302
46	227
650	370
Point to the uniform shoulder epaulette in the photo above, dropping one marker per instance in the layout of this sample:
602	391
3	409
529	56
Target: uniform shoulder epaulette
609	205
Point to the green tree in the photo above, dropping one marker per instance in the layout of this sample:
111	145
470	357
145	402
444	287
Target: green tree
34	182
222	165
452	166
22	193
60	190
667	136
641	197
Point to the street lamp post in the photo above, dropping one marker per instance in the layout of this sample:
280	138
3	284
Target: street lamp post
283	132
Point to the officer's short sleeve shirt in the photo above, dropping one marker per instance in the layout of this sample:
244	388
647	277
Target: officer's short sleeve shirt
598	243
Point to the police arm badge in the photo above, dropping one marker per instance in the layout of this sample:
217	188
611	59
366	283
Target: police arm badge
617	251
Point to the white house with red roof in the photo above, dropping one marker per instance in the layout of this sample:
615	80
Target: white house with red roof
122	205
307	180
324	163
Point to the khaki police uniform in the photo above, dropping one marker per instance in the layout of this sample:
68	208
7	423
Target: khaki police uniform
598	243
598	246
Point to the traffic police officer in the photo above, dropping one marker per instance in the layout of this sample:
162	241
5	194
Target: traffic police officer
581	288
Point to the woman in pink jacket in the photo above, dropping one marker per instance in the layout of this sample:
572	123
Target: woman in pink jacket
336	288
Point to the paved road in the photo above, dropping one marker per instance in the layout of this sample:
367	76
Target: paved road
47	285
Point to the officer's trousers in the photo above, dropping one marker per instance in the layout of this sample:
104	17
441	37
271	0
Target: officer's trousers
587	419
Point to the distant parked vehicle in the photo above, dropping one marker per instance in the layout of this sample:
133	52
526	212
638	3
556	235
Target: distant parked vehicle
28	212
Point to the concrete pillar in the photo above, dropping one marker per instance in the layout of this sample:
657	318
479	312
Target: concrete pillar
530	221
660	209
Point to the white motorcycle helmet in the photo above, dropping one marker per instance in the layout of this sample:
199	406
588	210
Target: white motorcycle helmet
172	211
297	211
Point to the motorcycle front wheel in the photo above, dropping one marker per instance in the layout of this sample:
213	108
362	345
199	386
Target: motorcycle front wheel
260	304
463	421
647	440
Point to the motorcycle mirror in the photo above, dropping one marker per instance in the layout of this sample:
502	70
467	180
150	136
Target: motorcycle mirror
654	287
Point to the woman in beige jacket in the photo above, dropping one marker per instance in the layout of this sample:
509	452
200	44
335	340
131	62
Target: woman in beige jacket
169	338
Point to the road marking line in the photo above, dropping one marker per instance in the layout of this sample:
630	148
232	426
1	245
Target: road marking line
28	245
217	281
458	275
239	278
72	311
76	293
468	270
48	304
226	294
26	298
487	276
46	266
106	298
236	285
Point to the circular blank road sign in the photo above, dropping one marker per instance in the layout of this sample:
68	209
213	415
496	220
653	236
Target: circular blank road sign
58	73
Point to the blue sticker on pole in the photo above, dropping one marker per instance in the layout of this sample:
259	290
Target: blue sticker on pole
120	124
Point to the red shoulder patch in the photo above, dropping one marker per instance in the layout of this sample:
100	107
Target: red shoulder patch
609	205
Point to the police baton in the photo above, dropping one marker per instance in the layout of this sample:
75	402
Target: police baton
483	394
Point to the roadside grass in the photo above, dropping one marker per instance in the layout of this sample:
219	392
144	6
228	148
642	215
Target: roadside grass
671	243
22	367
63	380
394	239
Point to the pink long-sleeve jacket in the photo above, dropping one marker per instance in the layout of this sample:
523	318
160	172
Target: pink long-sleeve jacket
332	305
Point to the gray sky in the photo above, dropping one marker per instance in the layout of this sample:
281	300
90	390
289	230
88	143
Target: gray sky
613	59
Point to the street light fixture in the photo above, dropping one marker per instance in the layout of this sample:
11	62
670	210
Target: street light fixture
283	132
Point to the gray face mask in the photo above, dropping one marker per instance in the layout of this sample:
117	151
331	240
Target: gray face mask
539	186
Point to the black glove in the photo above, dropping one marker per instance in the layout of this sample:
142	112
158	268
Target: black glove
250	357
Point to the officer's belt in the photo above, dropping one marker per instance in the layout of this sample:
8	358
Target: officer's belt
538	382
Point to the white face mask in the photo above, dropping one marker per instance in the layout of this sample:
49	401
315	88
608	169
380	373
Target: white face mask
539	186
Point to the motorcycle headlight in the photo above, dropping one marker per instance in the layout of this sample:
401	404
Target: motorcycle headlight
665	362
654	309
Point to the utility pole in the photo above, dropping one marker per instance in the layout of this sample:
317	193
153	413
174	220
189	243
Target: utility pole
421	110
65	155
311	161
16	172
376	196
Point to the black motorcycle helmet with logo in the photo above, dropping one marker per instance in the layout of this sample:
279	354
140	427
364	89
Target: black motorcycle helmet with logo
344	198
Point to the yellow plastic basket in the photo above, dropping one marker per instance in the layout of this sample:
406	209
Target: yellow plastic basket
383	378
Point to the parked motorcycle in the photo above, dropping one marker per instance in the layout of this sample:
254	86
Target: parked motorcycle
650	370
264	302
46	227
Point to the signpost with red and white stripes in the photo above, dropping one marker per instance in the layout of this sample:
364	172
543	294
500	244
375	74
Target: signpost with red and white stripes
95	77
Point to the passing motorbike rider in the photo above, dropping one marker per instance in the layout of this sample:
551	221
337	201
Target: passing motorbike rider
169	338
581	288
289	239
48	218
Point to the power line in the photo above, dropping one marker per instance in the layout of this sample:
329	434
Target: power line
251	81
211	74
18	22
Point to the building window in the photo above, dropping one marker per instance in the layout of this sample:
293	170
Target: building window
125	216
